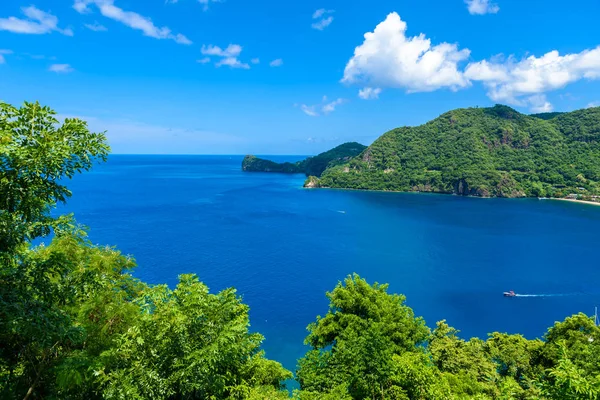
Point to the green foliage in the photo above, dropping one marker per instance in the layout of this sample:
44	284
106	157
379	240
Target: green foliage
188	343
255	164
312	166
35	155
482	152
371	345
74	324
355	342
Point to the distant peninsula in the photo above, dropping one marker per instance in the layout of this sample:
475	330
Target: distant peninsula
485	152
312	166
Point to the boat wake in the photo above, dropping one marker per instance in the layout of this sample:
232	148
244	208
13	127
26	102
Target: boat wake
547	295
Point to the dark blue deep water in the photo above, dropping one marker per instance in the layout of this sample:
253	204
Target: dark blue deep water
283	247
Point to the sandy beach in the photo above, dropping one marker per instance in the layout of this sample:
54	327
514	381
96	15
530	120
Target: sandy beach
593	203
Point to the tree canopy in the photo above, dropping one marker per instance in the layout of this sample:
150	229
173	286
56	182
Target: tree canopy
312	166
483	152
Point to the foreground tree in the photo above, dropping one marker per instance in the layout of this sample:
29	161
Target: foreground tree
355	343
74	324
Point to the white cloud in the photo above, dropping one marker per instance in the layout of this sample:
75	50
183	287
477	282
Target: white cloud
323	20
320	12
232	62
593	104
518	81
369	93
233	50
324	107
61	68
204	60
255	61
206	3
309	110
539	104
276	63
481	7
228	56
388	58
96	27
130	19
322	24
330	107
38	22
4	52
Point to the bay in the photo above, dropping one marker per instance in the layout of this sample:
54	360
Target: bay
282	247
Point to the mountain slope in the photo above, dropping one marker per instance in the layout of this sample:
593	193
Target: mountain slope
312	166
484	152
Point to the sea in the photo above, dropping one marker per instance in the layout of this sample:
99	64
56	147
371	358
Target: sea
283	247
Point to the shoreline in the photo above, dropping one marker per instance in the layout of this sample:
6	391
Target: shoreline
591	203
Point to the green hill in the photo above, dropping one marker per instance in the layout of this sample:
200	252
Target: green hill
312	166
487	152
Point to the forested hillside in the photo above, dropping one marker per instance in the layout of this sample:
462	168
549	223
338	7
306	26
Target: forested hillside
75	323
483	152
312	166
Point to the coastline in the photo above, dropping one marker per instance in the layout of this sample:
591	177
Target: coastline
592	203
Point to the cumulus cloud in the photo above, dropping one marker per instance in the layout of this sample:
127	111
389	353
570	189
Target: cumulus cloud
539	104
518	82
4	52
593	104
276	63
388	58
255	61
204	60
481	7
61	68
37	22
232	62
369	93
323	19
131	19
96	27
227	56
325	107
233	50
330	107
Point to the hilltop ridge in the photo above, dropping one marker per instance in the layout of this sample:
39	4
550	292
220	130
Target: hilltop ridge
486	152
312	166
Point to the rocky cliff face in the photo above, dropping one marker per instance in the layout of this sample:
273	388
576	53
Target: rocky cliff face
312	182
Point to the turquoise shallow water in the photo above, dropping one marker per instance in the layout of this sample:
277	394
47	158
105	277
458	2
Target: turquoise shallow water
283	247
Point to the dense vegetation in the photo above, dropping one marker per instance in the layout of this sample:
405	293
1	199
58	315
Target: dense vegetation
254	164
75	324
312	166
483	152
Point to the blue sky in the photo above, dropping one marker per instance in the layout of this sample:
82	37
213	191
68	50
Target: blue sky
291	77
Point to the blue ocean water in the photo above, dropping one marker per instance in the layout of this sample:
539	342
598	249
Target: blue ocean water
283	247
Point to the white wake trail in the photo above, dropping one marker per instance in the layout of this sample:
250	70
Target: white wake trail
547	295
